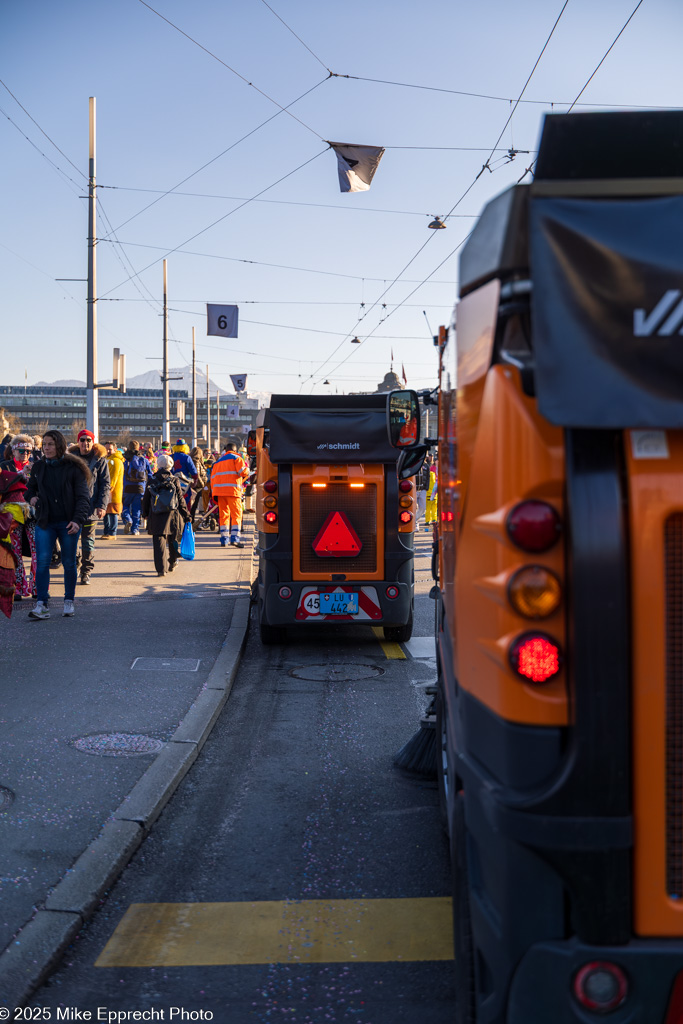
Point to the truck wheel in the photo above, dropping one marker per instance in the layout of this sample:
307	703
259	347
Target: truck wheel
273	634
270	634
399	634
442	779
465	993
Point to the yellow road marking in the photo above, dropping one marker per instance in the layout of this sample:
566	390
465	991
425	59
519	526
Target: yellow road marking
288	931
391	650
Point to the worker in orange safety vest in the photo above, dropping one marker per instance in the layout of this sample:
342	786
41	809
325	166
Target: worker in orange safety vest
227	478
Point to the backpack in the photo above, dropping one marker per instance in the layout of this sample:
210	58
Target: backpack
164	497
137	471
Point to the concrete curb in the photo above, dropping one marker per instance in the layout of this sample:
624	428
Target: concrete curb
38	947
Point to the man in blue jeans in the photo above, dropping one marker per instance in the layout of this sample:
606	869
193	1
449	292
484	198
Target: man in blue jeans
136	472
59	491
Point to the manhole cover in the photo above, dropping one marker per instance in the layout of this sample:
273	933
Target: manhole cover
118	744
330	673
6	798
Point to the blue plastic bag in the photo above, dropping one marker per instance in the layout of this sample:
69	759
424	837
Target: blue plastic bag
187	543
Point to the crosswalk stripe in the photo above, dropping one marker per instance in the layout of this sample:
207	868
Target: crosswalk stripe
391	650
287	931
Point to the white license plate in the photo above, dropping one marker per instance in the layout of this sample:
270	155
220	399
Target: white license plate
338	604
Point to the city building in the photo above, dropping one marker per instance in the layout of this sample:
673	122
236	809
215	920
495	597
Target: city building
137	413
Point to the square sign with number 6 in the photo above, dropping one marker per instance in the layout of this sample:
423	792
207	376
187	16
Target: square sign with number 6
222	320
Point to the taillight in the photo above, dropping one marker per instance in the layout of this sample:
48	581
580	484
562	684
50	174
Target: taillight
270	486
446	517
405	516
406	501
600	986
535	657
285	593
405	486
392	592
533	525
534	592
270	501
270	517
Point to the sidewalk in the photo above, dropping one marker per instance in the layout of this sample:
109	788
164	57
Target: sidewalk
100	718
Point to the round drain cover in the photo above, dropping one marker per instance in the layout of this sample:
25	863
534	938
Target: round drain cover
331	673
118	744
6	798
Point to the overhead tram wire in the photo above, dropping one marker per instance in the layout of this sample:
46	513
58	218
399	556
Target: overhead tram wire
42	132
174	191
592	76
456	204
283	110
289	29
219	219
63	174
261	263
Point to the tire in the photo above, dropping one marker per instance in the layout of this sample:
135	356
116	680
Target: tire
271	634
465	991
399	634
442	780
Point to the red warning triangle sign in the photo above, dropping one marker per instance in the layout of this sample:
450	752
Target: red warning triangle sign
337	538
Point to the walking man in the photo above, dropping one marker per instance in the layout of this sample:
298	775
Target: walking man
95	458
136	473
227	477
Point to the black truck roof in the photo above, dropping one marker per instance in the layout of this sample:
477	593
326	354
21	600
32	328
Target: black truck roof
328	429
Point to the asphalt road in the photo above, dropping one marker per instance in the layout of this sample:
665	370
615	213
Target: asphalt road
294	814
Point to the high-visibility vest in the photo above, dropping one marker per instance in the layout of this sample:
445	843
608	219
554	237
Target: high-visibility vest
227	475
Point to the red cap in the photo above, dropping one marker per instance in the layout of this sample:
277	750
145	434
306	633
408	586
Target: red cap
85	433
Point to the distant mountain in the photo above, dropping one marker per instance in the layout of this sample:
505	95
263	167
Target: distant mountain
152	379
60	384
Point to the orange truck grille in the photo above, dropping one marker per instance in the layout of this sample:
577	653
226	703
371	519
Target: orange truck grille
673	547
360	506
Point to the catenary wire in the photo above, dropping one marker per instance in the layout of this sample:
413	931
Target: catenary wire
245	80
220	219
289	29
55	166
209	162
51	141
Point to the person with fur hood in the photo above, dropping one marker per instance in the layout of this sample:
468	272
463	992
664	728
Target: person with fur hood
59	489
163	505
95	458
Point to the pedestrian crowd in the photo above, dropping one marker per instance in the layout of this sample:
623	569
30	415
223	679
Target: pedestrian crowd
53	495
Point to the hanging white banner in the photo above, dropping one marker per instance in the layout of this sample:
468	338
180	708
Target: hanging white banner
239	381
356	165
222	320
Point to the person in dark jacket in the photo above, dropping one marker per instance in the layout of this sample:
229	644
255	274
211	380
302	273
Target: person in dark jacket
59	490
163	505
136	473
95	457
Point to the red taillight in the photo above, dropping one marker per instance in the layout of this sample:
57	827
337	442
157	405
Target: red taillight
392	592
405	516
270	486
446	517
533	525
285	593
536	657
600	986
270	517
405	486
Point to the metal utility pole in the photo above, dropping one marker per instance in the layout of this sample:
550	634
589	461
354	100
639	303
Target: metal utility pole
92	413
208	411
166	426
194	395
218	418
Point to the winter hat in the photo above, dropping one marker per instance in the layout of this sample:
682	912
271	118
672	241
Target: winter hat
164	462
11	483
85	433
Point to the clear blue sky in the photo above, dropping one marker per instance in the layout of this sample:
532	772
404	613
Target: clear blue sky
165	107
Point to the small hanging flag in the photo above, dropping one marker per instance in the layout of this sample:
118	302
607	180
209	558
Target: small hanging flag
239	381
222	320
403	370
356	165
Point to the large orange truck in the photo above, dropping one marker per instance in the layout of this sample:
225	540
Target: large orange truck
335	524
560	589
